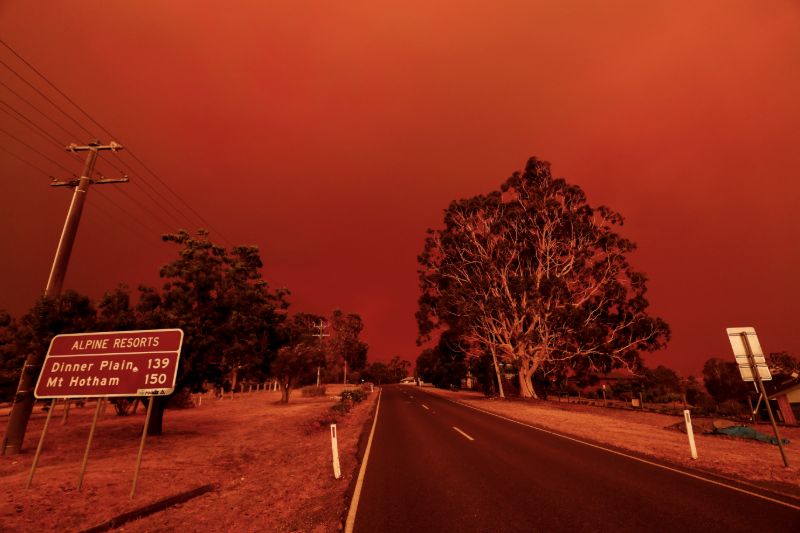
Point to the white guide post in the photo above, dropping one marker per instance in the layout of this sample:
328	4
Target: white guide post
690	432
337	470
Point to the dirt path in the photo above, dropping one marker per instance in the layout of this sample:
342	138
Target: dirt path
270	462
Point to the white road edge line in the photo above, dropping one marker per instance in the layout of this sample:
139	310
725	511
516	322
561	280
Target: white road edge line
425	406
695	476
351	514
470	438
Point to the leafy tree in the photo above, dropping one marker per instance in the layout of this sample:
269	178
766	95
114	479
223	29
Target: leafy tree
696	394
115	312
11	358
296	363
377	372
255	314
661	383
398	369
534	275
723	381
229	317
783	363
69	313
444	365
344	345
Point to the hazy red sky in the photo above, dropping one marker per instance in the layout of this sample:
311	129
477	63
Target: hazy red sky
332	134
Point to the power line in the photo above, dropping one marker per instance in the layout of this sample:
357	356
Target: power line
168	212
122	220
105	130
22	119
141	222
144	208
167	200
198	215
45	115
40	93
53	85
9	152
30	124
42	171
36	150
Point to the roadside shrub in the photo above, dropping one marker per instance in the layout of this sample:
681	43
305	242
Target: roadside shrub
731	408
122	405
313	390
323	422
181	399
341	408
353	395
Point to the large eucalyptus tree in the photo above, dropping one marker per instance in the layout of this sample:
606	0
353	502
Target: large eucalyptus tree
535	276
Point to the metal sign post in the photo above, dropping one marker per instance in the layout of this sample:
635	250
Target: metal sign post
141	445
753	367
89	442
41	442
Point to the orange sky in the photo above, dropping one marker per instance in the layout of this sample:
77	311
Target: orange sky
332	134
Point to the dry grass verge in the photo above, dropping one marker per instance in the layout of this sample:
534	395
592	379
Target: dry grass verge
273	470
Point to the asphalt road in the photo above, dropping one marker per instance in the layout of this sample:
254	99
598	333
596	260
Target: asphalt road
424	473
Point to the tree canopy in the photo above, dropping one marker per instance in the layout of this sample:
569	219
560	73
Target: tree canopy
533	275
235	326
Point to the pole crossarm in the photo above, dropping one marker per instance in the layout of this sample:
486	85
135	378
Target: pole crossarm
95	146
102	181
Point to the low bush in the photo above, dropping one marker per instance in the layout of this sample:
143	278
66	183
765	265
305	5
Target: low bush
323	422
342	408
313	390
353	395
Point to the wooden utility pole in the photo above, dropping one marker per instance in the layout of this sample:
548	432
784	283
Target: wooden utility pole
24	399
321	327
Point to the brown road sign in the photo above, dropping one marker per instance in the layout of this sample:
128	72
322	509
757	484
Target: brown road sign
115	363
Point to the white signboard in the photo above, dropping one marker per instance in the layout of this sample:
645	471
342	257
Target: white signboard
740	353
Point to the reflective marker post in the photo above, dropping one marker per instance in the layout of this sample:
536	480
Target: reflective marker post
687	417
337	470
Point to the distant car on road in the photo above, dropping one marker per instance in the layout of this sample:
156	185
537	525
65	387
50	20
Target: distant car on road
408	381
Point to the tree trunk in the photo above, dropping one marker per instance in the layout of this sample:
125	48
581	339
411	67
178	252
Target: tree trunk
234	377
286	389
155	427
497	373
525	383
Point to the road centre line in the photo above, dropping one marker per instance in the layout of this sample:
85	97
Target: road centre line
676	470
470	438
351	514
